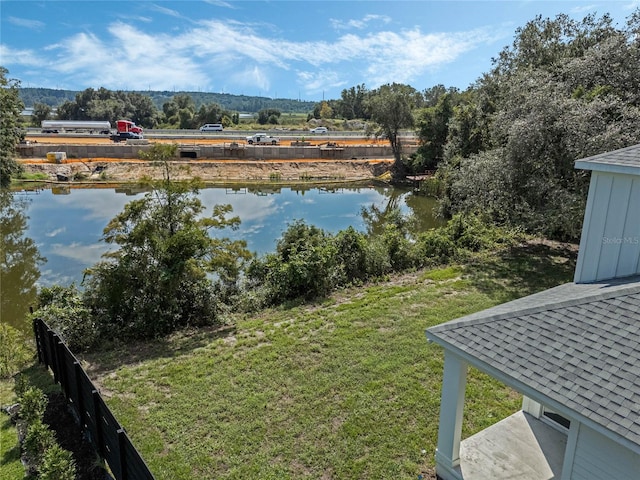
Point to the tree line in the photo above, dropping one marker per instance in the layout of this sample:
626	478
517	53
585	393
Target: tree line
239	103
504	148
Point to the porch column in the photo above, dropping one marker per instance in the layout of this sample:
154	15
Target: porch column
451	408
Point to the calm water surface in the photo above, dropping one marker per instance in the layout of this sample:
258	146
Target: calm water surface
65	227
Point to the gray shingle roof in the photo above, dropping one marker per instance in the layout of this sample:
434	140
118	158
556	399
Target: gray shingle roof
576	344
625	160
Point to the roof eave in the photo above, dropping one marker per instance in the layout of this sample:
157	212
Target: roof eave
530	391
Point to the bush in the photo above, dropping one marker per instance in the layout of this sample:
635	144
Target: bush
38	440
15	352
57	464
435	246
62	308
399	249
21	384
351	256
378	261
302	267
33	403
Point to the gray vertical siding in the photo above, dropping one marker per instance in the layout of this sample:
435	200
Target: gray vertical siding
610	244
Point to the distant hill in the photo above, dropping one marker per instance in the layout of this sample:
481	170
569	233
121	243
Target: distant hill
237	103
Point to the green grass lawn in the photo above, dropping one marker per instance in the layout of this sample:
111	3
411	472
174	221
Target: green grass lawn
348	388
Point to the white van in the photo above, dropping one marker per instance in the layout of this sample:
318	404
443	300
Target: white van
211	127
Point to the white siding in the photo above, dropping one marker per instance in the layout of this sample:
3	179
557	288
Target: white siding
597	458
610	243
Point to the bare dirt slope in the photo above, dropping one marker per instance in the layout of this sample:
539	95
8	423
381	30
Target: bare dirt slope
221	171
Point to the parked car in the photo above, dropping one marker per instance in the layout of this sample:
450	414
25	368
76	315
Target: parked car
319	130
211	127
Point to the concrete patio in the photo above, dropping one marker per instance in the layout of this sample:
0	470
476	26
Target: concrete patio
518	447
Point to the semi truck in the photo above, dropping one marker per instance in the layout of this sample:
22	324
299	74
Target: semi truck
126	130
91	126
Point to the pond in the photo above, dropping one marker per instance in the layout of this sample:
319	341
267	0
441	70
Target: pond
63	227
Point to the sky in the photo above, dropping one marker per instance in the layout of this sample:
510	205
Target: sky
307	50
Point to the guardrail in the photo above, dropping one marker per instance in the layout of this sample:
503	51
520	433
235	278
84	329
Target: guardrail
106	434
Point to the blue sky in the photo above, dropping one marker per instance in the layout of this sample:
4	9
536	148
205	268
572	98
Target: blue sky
287	49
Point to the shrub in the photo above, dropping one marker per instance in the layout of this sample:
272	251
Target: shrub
302	267
351	256
62	308
38	440
57	464
33	403
378	261
435	246
399	249
21	384
15	352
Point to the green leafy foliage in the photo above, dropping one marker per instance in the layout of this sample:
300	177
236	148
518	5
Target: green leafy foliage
63	309
15	353
162	276
302	267
269	116
38	440
33	403
391	107
562	92
10	134
57	464
104	104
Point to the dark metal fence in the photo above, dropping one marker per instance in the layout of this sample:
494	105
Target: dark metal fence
106	434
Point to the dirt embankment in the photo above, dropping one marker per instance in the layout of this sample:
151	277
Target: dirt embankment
219	171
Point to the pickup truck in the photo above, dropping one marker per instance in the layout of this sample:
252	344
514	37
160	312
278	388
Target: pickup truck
124	136
263	139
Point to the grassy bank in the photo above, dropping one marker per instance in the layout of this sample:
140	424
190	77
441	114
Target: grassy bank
344	389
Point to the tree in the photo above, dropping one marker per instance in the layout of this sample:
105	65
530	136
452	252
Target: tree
163	275
10	134
433	129
269	115
325	110
351	104
566	90
104	104
391	106
41	111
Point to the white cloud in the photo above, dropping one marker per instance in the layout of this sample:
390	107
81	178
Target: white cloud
166	11
26	23
314	82
11	56
253	77
84	254
220	3
358	24
55	232
129	58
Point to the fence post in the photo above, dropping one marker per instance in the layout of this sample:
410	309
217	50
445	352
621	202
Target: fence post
62	365
82	412
54	355
97	415
122	452
37	335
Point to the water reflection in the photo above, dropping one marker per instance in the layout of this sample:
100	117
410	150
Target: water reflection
19	261
68	227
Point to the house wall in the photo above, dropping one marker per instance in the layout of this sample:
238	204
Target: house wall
610	242
597	458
